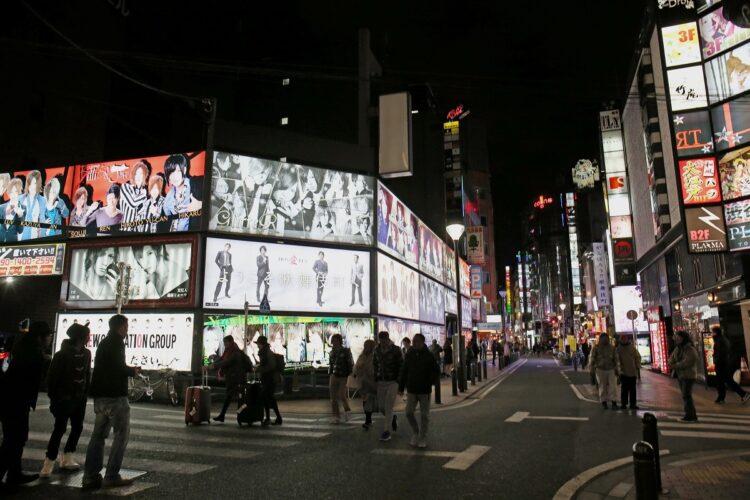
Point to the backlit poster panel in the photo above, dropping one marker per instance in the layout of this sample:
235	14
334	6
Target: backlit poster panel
431	301
293	277
465	277
687	89
158	271
451	301
617	183
732	123
680	44
624	299
431	249
449	263
718	34
726	75
475	244
700	181
466	312
155	340
692	134
398	289
266	197
398	229
621	226
705	229
44	259
737	218
618	205
398	329
734	170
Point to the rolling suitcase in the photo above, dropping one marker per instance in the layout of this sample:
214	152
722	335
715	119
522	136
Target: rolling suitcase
198	403
250	407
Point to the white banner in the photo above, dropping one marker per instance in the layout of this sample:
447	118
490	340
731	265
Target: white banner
601	275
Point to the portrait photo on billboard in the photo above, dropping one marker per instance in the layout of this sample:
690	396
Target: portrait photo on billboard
398	228
431	301
451	301
159	271
726	75
731	123
398	289
705	229
257	196
692	133
718	33
737	219
290	277
700	181
431	253
155	340
687	89
681	44
734	170
465	275
449	264
628	298
42	259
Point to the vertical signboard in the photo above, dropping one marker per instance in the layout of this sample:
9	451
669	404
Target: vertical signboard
475	244
601	277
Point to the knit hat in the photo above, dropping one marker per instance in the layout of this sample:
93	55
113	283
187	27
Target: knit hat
39	329
77	332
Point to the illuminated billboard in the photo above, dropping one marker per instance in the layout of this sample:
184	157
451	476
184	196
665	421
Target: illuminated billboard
732	123
726	75
718	34
692	133
398	229
431	301
44	259
700	181
737	218
398	289
680	44
687	89
734	170
465	272
449	262
705	229
431	253
624	299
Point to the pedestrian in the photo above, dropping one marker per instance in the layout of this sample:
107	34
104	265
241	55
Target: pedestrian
483	350
232	368
68	381
387	363
18	392
364	373
628	365
725	367
586	350
435	349
339	368
494	351
603	365
268	375
447	357
417	375
405	345
684	362
109	388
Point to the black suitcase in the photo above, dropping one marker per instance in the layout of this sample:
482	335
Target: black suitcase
250	407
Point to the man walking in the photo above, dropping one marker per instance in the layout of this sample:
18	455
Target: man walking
628	365
269	372
725	368
418	374
224	261
387	363
109	388
320	268
264	272
357	274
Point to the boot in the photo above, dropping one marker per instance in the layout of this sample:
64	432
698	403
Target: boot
47	468
67	462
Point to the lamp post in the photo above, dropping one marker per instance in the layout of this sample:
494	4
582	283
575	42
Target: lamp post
455	231
565	331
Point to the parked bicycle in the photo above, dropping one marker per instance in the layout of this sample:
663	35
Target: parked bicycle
141	385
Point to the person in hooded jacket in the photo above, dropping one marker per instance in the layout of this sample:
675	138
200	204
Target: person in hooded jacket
684	362
603	364
725	368
364	374
232	369
18	392
68	382
628	365
418	374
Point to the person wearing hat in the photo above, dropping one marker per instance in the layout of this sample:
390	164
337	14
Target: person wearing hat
67	387
18	393
268	376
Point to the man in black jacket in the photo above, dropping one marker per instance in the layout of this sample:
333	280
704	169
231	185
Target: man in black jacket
18	392
725	368
387	364
109	388
419	372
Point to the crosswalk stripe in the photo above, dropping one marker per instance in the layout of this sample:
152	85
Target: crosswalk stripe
720	415
718	427
235	430
165	448
717	420
708	435
172	467
306	425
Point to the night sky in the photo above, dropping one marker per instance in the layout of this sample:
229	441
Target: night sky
535	72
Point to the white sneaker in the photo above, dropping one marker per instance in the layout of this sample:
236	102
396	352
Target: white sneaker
422	443
347	416
414	440
67	462
47	468
334	420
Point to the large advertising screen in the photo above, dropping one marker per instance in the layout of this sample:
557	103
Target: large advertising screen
266	197
726	75
687	89
293	277
737	218
431	301
719	34
700	181
705	229
692	134
466	312
451	301
398	289
734	170
465	271
155	340
44	259
398	227
624	299
303	341
399	330
159	271
681	44
449	263
732	123
431	253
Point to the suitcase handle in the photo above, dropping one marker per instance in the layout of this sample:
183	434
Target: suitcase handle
204	378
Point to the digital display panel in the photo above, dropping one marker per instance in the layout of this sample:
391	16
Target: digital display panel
449	262
155	340
466	312
681	44
705	229
700	181
293	277
734	170
158	271
737	218
431	253
451	301
726	75
44	259
431	301
628	298
266	197
732	123
687	89
398	289
692	133
398	228
718	34
465	271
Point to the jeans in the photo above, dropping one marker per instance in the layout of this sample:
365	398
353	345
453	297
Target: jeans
337	389
15	417
111	413
686	386
63	411
607	385
387	391
724	379
424	413
627	390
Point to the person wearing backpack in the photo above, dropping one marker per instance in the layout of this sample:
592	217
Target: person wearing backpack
269	368
603	364
232	366
340	367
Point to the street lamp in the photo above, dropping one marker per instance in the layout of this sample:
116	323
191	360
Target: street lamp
562	308
455	231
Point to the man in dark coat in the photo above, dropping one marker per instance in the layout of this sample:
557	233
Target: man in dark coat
19	388
725	367
418	373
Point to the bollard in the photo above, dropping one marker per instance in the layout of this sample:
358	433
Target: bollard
651	436
473	370
479	370
644	469
484	369
437	389
454	382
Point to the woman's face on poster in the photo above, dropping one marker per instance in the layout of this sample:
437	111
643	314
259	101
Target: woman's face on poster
13	194
81	202
104	258
148	259
155	191
176	178
311	184
33	186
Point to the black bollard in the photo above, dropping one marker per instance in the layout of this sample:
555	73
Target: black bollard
437	389
454	382
473	370
479	370
651	436
484	369
644	469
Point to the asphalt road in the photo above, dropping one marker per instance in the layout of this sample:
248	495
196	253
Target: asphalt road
473	451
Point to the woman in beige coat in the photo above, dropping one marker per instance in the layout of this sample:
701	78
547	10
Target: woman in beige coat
364	375
602	362
628	366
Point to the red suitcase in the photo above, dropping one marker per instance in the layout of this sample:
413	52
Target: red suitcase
198	403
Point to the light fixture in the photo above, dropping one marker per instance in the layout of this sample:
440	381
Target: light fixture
455	231
563	306
711	297
677	306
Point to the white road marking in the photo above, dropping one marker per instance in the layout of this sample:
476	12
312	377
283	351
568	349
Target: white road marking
718	427
702	414
466	458
581	396
181	418
621	490
520	416
716	419
707	435
74	480
232	419
224	429
484	391
410	453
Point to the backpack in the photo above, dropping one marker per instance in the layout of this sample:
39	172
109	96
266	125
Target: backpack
280	362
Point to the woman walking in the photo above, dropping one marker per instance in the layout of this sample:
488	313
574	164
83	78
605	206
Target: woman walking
340	368
603	364
684	362
364	373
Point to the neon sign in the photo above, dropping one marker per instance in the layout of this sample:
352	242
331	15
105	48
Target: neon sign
543	201
508	299
455	112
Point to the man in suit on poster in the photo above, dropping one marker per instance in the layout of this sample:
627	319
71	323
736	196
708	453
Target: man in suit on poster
264	272
321	274
357	273
224	261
